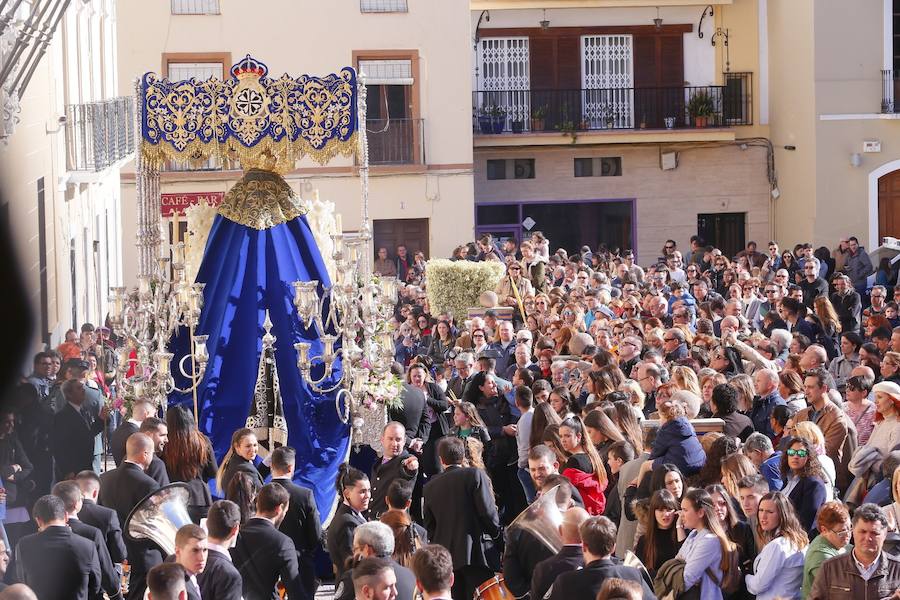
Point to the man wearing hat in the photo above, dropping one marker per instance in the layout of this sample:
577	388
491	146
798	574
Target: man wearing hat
75	369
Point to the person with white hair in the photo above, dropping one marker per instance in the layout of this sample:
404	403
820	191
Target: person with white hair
374	539
767	398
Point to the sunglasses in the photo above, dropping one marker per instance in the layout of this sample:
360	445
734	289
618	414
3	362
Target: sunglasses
797	453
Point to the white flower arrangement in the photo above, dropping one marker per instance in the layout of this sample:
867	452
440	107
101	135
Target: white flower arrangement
199	218
384	389
454	286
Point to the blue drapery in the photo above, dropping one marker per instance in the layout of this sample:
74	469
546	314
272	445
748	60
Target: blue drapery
246	272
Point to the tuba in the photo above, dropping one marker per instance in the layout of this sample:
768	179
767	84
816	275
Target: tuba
542	519
159	516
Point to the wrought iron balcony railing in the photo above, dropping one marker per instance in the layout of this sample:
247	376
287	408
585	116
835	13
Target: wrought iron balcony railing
890	86
396	141
516	111
99	134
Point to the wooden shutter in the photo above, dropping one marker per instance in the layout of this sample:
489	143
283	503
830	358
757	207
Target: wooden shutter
543	63
671	63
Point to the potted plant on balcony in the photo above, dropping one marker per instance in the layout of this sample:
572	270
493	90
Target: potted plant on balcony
700	108
538	114
491	119
517	124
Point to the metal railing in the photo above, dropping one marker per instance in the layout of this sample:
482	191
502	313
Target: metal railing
567	111
98	134
195	7
396	141
890	86
382	6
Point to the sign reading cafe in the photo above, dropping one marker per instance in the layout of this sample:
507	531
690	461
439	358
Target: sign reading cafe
171	204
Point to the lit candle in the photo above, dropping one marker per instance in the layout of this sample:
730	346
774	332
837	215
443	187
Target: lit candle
302	355
338	223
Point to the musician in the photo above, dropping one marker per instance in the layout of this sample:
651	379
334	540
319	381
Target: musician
240	457
598	541
399	497
157	431
395	464
191	551
262	553
376	540
374	580
121	489
70	494
543	466
166	582
524	550
140	410
433	569
104	519
569	558
355	493
301	523
220	580
459	508
55	562
75	428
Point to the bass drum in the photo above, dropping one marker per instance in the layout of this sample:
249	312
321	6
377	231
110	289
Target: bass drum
494	589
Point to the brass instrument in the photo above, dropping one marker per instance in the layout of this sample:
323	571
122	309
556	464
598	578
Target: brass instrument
159	516
542	519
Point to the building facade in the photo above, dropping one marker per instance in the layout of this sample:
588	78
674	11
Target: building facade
420	139
60	165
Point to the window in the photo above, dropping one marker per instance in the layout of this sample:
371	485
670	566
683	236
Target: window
496	169
603	166
195	7
523	168
382	6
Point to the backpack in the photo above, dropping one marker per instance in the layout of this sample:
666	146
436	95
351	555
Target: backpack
731	578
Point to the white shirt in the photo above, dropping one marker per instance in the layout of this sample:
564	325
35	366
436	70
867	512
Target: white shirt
777	571
866	572
220	550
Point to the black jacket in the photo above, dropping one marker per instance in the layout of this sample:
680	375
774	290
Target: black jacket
12	453
261	555
58	564
73	441
382	476
406	583
301	523
118	439
522	554
340	536
107	521
237	464
569	558
458	510
122	489
109	577
586	582
811	291
737	425
157	470
410	414
848	308
220	579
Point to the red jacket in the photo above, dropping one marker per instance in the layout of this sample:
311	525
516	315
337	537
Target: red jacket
590	489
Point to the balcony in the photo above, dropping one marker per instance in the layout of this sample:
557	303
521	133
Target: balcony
195	7
890	86
396	141
614	109
99	134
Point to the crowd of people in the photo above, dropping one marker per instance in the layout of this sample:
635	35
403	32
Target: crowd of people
703	427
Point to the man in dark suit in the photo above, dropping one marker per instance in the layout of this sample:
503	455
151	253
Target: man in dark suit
140	410
121	489
410	412
262	553
433	569
376	540
569	557
220	579
166	582
598	541
465	368
157	431
74	430
104	519
70	494
56	563
191	551
395	464
301	523
459	508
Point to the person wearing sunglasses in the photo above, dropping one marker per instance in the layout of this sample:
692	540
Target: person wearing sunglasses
834	534
804	481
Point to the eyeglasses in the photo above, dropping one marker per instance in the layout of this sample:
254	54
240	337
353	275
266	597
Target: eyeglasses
515	269
669	339
798	453
478	335
878	296
669	247
771	291
841	532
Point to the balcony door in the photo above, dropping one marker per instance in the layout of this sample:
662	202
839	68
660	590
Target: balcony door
393	132
607	81
659	80
504	78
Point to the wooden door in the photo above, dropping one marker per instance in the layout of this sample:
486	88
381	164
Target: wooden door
888	207
412	233
658	80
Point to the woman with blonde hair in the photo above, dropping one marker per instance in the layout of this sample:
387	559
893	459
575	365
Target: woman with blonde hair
636	396
743	383
686	379
735	467
893	510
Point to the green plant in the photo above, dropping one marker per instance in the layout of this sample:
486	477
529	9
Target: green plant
700	105
493	111
454	286
539	112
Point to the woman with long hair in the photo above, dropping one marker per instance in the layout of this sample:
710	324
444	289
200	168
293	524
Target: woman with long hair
601	431
743	383
561	339
406	539
804	480
562	401
686	379
829	324
242	490
886	433
544	415
811	433
661	539
627	421
790	386
467	423
737	531
859	408
735	467
711	473
707	550
189	458
240	458
584	468
636	396
778	569
441	341
551	439
355	492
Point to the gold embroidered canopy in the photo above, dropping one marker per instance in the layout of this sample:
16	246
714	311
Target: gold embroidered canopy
249	117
